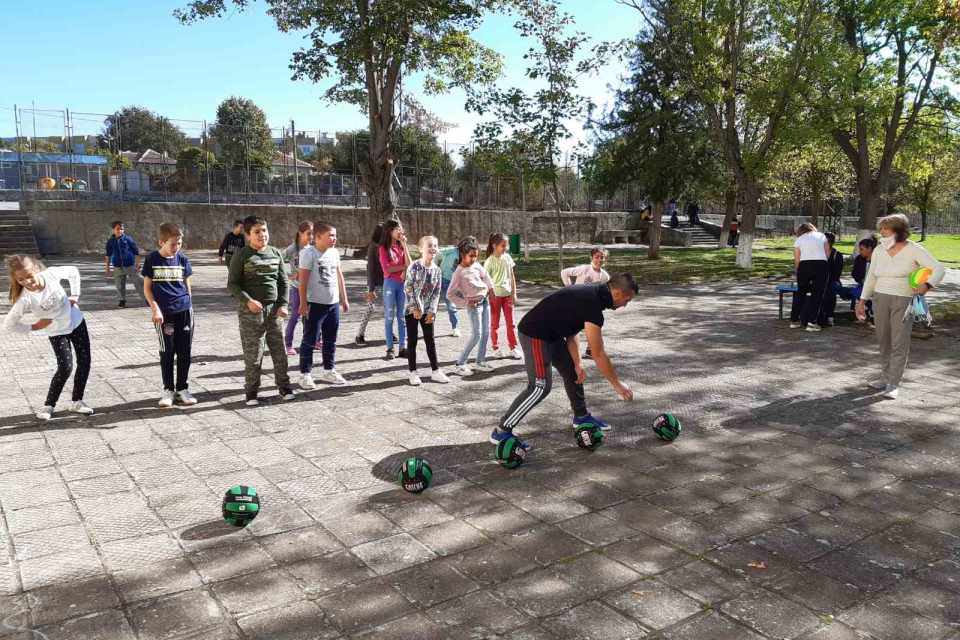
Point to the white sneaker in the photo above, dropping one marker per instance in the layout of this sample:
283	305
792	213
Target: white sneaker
185	397
455	333
829	322
794	325
484	366
333	377
253	402
518	353
891	391
80	407
440	376
414	379
879	384
45	413
464	370
814	328
307	383
167	399
496	353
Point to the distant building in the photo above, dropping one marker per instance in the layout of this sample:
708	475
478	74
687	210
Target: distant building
91	170
151	161
285	161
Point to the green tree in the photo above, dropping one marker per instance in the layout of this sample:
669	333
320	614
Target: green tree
883	63
193	160
114	160
138	129
814	171
556	62
243	134
366	46
35	144
745	61
929	164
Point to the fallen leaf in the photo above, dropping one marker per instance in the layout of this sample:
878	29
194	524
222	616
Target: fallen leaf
638	592
757	565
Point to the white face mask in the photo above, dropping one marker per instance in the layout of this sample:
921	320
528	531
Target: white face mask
888	241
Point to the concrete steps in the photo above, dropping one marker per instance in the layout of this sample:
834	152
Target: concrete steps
16	234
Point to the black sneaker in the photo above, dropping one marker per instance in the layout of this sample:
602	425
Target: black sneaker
402	353
360	341
390	354
123	303
287	393
588	355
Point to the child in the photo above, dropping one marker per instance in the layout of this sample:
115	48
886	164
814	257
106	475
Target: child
470	287
422	290
499	266
258	280
592	273
394	260
166	275
861	265
734	237
448	259
36	290
123	254
322	293
232	242
292	256
834	273
374	283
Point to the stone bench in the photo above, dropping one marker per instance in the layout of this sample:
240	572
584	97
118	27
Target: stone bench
621	236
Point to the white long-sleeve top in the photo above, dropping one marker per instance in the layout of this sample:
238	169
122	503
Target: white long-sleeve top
891	275
50	303
584	274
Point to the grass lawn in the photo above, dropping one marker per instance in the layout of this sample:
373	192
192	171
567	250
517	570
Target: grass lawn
944	248
674	265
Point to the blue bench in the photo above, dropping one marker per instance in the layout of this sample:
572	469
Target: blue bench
784	290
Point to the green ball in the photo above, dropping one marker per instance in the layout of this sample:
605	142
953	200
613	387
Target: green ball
920	277
589	436
415	475
667	426
510	453
240	505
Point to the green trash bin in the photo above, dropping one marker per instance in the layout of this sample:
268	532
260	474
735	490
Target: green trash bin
515	243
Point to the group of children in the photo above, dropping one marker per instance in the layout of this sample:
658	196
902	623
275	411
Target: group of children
302	285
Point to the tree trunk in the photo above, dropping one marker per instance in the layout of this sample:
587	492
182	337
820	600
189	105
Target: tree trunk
869	193
923	224
377	178
657	208
923	210
556	198
816	204
730	202
748	225
523	217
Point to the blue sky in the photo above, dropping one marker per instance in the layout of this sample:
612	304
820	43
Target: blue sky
123	53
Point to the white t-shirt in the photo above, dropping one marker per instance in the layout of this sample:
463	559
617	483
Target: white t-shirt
812	246
584	274
322	285
51	303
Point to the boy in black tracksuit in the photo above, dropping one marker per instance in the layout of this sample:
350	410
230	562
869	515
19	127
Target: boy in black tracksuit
232	242
549	336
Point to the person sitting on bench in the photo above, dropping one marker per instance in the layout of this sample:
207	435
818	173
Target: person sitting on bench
861	265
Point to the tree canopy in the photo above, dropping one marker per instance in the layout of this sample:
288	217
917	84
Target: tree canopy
137	129
242	132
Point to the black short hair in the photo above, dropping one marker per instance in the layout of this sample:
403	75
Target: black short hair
831	238
624	282
116	223
869	243
236	222
251	221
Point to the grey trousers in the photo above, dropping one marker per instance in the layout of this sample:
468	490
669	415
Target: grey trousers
120	279
893	334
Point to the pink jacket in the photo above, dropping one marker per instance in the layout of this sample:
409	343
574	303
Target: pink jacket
469	285
394	258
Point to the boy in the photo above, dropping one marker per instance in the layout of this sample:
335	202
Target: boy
166	277
232	242
258	280
322	293
592	273
448	259
123	254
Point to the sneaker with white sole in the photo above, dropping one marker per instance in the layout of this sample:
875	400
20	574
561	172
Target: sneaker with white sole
794	325
455	333
495	354
167	399
439	376
484	366
306	382
891	391
333	377
879	384
186	398
814	328
518	353
830	322
414	379
464	370
253	400
80	407
45	413
287	393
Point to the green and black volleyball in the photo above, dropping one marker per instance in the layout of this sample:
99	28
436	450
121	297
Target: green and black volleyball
667	426
241	504
510	453
589	436
415	475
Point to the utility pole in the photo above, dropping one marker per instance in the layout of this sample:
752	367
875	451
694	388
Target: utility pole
69	143
33	110
296	172
206	157
16	124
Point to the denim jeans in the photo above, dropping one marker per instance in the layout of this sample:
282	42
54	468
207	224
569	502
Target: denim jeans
451	308
393	302
479	333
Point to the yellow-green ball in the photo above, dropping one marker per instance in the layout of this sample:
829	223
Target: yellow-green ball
919	277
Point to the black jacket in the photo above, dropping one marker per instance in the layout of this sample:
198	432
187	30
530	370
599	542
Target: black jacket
860	267
374	270
835	265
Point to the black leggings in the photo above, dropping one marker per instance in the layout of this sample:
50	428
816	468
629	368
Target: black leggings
412	324
812	278
61	347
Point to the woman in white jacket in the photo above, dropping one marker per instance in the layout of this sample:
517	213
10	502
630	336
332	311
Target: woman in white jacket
36	290
888	283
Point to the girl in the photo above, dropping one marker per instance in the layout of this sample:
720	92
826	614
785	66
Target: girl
469	288
292	256
888	283
374	283
422	289
499	266
394	260
37	290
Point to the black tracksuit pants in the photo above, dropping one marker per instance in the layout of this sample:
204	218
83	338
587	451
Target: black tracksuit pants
176	341
812	278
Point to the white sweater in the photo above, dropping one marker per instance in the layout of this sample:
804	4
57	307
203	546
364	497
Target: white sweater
891	276
51	303
584	274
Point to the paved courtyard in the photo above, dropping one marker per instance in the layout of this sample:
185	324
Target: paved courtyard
796	504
